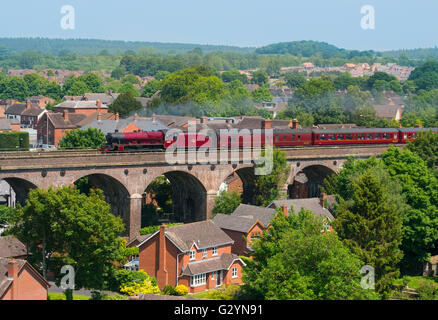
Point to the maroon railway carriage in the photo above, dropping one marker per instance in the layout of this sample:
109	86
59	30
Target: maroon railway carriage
355	136
292	137
408	134
119	141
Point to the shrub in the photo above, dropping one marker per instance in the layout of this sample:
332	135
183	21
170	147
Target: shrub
169	290
181	290
427	290
145	286
10	141
124	277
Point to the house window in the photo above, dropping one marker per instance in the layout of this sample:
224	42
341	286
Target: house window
255	235
212	275
204	253
234	272
198	280
214	251
192	254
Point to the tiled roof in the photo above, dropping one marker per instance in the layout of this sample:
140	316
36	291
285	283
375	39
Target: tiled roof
107	126
264	215
235	223
4	281
312	204
11	247
106	98
16	109
33	111
59	122
80	105
5	124
205	234
223	262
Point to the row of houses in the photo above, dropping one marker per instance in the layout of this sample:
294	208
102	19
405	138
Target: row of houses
207	254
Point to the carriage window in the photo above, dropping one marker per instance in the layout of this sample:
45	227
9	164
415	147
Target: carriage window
284	137
293	137
377	136
332	137
385	136
369	136
299	137
341	137
277	138
390	135
323	137
349	136
414	135
395	135
361	137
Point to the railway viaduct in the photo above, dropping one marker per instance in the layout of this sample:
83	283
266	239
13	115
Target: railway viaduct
124	177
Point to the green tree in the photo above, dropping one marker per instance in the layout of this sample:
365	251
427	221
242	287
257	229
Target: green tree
64	227
268	187
294	260
294	80
262	94
6	216
426	146
151	88
90	138
227	202
370	225
125	104
260	77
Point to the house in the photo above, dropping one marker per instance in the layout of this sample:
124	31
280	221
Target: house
246	223
40	101
53	126
389	111
8	125
319	206
86	107
20	281
31	115
430	268
125	125
197	255
11	247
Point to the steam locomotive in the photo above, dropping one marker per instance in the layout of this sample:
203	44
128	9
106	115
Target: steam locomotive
283	137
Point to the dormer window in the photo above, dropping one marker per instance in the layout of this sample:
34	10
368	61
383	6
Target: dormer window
192	254
214	251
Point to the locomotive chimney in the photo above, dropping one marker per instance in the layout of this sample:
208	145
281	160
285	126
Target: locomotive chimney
294	124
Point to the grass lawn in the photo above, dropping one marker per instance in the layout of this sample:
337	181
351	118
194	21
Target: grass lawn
61	296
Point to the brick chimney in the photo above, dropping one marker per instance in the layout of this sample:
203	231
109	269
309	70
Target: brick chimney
154	118
13	273
117	117
28	105
284	210
162	275
322	200
294	124
99	104
267	124
99	117
65	114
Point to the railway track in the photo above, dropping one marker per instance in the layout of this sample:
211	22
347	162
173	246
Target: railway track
95	152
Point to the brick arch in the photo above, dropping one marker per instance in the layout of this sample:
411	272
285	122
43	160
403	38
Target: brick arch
189	194
21	187
308	178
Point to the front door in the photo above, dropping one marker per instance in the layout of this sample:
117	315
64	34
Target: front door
218	278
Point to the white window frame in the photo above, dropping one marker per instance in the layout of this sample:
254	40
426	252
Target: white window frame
234	272
192	255
198	280
204	253
214	251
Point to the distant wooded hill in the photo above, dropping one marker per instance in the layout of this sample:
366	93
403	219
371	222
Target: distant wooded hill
93	46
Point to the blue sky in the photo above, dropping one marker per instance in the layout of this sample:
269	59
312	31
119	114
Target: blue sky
398	24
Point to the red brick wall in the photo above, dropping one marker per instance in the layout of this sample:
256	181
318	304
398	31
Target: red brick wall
29	288
239	246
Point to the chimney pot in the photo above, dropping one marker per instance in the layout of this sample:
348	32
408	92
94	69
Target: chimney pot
284	209
99	104
28	104
13	273
99	117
